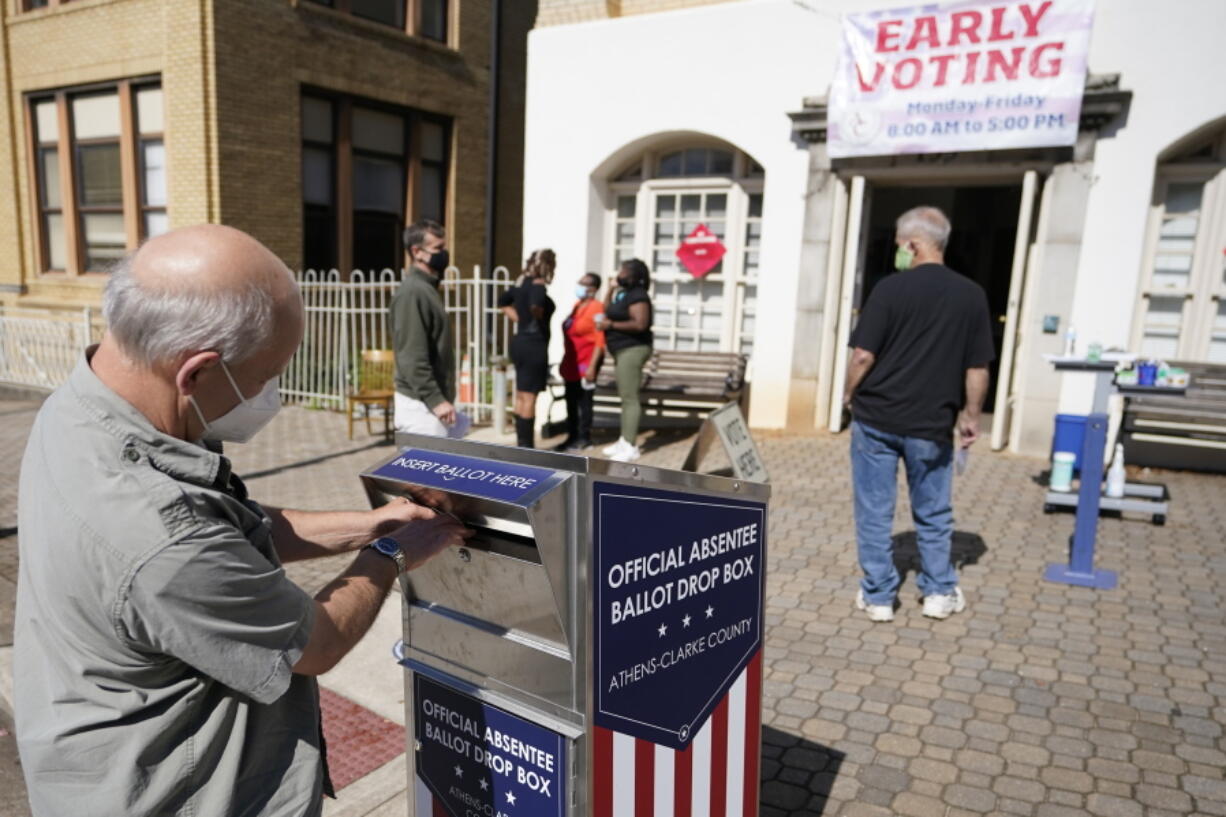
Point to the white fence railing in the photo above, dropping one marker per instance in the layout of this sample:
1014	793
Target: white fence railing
347	315
39	347
344	317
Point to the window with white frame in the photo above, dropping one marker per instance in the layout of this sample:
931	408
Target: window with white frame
660	199
1181	312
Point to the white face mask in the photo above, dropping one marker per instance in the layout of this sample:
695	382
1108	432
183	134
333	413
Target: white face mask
244	421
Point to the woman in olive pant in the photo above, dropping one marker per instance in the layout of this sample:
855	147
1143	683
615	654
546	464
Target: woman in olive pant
627	327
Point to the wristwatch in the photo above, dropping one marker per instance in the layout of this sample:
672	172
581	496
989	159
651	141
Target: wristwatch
390	548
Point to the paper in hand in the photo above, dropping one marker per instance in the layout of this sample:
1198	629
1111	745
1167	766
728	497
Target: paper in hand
459	429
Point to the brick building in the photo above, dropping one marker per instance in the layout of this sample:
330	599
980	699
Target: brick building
319	127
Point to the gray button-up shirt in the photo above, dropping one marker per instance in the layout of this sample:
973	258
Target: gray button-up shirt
155	627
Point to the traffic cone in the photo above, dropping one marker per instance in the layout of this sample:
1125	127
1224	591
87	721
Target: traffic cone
466	381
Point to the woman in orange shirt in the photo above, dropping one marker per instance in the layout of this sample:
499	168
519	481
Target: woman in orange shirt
580	363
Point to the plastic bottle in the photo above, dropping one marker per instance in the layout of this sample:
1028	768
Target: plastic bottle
1115	475
1070	342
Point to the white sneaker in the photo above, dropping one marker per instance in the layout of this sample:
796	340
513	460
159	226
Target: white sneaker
628	454
876	612
615	448
945	606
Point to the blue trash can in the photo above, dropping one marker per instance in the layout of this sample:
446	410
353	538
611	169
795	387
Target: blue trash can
1069	435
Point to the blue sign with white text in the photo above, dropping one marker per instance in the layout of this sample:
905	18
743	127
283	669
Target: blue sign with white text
490	479
479	759
679	582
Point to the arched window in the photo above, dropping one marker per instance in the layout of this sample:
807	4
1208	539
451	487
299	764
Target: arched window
657	201
1181	313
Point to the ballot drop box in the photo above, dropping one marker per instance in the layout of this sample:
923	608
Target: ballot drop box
596	647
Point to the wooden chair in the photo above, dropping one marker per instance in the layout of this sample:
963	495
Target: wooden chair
375	387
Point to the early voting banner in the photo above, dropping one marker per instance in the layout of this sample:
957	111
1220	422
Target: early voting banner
476	759
960	76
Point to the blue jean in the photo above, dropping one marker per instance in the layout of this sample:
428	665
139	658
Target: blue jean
874	470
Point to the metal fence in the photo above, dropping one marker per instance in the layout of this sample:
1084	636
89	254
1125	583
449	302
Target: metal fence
40	347
346	315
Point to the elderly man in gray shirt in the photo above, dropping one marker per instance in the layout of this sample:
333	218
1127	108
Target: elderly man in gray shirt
164	664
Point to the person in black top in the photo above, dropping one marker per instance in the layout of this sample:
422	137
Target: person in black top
919	366
627	327
530	308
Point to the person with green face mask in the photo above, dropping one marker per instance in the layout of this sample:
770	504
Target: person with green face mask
918	369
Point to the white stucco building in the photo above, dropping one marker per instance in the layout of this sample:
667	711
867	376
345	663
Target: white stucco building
641	126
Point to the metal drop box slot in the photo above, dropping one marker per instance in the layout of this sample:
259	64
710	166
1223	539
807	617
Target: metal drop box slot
573	620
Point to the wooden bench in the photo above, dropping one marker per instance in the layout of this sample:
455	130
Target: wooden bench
679	388
1186	431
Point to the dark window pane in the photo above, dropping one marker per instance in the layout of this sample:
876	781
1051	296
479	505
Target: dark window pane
390	12
36	4
434	19
100	176
695	162
721	163
433	141
49	177
378	131
376	244
317	176
430	193
319	237
316	119
670	165
378	185
105	240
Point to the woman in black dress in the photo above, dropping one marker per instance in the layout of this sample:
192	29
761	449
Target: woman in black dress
530	308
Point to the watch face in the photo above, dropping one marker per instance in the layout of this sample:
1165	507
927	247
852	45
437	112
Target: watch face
388	547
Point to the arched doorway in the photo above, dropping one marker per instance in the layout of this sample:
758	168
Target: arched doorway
1181	311
656	198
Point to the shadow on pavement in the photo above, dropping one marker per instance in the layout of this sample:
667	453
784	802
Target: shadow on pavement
281	469
797	774
967	549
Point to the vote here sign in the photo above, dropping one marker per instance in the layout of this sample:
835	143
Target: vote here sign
678	580
960	76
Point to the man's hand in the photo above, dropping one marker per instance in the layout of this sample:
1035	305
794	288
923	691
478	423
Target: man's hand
968	428
422	539
445	412
396	514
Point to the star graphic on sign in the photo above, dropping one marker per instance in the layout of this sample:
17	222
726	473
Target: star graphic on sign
510	798
458	771
710	611
663	629
685	622
485	786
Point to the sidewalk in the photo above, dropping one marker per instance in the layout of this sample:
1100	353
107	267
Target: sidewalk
1041	700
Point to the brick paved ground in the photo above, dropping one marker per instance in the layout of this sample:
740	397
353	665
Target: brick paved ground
1041	700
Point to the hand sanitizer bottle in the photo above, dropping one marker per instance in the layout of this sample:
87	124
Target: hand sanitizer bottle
1115	475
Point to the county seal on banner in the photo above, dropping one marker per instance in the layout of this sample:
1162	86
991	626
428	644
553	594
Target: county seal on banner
960	77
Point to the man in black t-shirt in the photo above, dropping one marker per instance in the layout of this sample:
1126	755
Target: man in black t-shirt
919	366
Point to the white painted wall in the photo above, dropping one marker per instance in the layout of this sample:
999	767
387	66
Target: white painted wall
734	70
1170	56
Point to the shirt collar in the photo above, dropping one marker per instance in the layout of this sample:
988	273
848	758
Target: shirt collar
432	280
183	460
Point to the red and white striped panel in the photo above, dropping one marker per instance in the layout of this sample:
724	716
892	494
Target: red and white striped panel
716	776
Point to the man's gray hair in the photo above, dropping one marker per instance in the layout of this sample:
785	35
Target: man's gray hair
153	324
927	223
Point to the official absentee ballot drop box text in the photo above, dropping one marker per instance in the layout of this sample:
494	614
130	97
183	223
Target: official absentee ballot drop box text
595	647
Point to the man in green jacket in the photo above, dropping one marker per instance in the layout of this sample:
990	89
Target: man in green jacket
421	336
